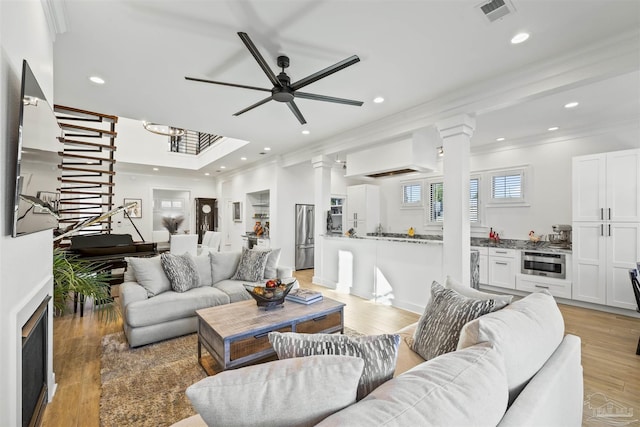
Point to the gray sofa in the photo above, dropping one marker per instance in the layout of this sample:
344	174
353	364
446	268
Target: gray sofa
152	311
514	367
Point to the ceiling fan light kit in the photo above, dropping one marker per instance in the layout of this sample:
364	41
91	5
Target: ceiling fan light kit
283	90
163	129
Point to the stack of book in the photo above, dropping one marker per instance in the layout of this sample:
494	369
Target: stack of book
304	296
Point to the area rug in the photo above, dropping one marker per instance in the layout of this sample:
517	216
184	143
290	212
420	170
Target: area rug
146	386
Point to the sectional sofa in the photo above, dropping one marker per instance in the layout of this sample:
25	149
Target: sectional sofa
513	367
152	311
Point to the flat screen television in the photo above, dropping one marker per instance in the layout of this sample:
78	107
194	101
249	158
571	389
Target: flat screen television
36	187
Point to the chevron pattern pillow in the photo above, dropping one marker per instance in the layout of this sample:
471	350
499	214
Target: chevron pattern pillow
439	326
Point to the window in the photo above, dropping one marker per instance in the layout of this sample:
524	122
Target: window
437	196
507	187
411	194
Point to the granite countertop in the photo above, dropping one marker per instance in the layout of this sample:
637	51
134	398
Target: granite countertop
521	245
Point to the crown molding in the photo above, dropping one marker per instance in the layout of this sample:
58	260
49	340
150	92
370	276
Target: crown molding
55	12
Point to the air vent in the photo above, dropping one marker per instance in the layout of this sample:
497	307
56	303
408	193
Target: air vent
391	173
496	9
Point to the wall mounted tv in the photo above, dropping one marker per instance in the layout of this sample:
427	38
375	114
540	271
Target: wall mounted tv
36	187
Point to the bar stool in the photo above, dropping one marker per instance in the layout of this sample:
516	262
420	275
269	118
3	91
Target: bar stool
633	274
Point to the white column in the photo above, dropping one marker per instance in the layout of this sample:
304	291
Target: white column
322	200
456	139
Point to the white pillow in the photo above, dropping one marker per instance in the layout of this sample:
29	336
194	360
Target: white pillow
298	391
203	265
463	388
526	332
150	275
468	291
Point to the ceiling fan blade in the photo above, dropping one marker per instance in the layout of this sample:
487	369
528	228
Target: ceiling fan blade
315	97
256	55
296	112
257	104
326	72
195	79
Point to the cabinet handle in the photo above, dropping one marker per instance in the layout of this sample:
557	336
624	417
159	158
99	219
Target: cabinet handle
501	263
501	252
602	229
261	335
601	214
609	213
541	287
317	319
609	230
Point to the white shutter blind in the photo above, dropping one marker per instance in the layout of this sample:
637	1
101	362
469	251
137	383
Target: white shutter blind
506	187
473	199
411	194
437	193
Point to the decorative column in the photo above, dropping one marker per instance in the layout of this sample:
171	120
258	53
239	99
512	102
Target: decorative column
456	140
322	200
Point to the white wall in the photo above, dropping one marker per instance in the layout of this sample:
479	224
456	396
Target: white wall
141	186
549	184
25	262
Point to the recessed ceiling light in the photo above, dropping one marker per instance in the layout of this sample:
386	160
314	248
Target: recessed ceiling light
519	38
156	169
223	167
500	139
207	174
378	100
97	80
553	128
571	105
267	148
243	158
306	132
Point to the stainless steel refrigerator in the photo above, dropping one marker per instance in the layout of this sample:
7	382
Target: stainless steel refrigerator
304	236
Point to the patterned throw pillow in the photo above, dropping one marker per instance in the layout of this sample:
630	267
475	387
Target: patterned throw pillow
379	352
181	271
251	266
439	326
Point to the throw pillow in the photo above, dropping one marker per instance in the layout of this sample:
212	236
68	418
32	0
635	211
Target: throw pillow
379	352
181	271
223	265
300	392
527	332
271	268
439	326
251	266
467	291
463	388
203	264
150	275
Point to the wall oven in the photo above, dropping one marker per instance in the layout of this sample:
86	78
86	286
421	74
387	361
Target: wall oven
544	264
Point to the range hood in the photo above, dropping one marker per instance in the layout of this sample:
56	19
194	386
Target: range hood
418	153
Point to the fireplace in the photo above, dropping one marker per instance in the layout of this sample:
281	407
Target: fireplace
34	365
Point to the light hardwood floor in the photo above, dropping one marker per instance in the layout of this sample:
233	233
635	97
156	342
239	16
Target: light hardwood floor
609	343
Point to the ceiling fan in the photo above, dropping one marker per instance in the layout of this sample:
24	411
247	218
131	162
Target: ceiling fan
283	90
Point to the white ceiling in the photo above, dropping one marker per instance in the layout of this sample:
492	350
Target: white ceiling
413	53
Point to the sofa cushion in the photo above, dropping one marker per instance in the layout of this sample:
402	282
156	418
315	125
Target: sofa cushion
149	274
251	266
379	352
293	392
439	326
203	264
234	289
223	265
526	332
172	305
467	291
462	388
181	271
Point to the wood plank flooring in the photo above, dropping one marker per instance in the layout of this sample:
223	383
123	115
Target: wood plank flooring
609	343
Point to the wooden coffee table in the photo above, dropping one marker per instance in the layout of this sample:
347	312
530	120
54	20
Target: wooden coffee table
237	334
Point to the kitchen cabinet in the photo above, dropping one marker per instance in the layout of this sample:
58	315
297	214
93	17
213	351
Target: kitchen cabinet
363	210
606	227
503	265
337	210
557	287
483	262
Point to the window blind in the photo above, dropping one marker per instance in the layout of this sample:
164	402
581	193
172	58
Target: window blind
506	187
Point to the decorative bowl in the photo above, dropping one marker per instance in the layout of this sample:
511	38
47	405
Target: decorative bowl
270	297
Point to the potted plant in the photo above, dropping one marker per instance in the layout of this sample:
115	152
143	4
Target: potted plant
73	277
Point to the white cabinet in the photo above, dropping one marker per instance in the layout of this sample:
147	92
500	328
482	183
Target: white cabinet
263	243
503	265
483	262
363	209
606	227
